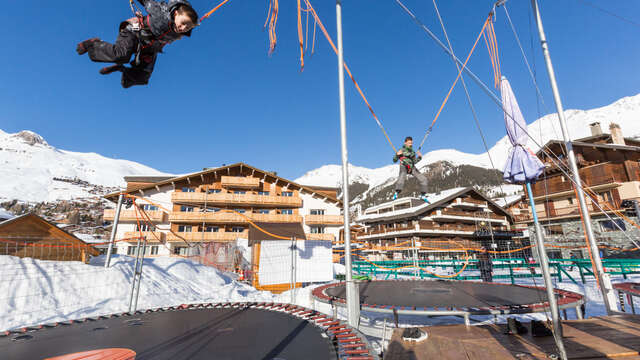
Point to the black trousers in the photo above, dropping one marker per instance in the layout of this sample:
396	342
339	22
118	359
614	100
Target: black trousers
120	53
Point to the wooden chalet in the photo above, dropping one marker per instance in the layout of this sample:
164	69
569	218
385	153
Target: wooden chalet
31	236
456	219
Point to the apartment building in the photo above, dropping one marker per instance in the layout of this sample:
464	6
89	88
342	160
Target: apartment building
215	206
609	169
456	219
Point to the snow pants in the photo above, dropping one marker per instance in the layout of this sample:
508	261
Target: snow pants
120	53
402	178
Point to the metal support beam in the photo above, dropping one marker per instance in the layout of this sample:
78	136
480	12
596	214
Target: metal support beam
114	229
353	303
604	281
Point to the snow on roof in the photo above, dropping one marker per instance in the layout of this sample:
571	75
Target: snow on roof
433	199
5	215
509	200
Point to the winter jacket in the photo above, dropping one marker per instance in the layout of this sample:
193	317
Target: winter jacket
408	158
157	29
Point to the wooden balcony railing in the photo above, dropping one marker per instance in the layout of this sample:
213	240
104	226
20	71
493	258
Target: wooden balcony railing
220	236
152	236
469	201
569	211
596	175
232	218
324	219
130	215
240	182
478	215
328	237
223	199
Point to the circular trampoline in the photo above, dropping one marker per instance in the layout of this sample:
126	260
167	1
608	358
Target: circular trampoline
439	297
205	331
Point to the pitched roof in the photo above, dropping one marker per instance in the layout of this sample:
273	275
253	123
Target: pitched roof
309	189
579	143
37	218
436	200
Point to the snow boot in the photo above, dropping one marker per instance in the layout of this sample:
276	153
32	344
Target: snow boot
395	195
424	198
84	46
109	69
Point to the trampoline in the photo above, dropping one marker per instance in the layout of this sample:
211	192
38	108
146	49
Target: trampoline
439	297
205	331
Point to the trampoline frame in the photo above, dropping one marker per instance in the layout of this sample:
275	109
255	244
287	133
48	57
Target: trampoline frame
349	343
566	300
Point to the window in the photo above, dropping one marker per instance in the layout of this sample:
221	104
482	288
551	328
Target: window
188	189
214	191
317	229
612	225
149	207
143	227
237	229
266	193
287	193
240	192
570	201
180	250
185	208
213	209
262	211
212	229
553	230
240	211
154	250
606	196
286	212
184	228
132	250
317	212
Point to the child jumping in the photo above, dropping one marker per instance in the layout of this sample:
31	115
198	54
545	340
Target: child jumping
143	37
408	161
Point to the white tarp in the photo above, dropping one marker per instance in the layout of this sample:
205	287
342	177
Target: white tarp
313	261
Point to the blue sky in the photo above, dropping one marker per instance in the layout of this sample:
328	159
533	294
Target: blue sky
219	98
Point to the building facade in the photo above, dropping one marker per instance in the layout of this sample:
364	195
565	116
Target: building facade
216	205
456	219
610	172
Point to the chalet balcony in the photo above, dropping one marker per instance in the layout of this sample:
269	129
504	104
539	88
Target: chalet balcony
336	220
226	199
219	236
423	228
152	236
456	215
221	217
130	215
328	237
469	203
240	182
600	176
569	212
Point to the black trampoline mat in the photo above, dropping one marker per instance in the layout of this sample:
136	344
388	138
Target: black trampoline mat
185	334
442	294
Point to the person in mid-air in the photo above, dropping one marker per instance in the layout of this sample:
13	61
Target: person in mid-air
408	160
144	37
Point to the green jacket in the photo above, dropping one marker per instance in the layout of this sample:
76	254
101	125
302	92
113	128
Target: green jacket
408	157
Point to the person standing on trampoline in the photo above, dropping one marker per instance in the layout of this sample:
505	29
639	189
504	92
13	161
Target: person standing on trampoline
408	159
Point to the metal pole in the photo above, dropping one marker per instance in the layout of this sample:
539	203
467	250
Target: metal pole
114	229
353	305
293	270
604	280
139	273
544	264
135	271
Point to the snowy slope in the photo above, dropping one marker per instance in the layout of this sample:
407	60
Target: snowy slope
28	166
625	112
36	291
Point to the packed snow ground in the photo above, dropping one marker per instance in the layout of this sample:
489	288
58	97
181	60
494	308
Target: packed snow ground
36	292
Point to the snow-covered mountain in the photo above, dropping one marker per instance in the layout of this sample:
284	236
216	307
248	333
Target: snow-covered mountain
625	112
32	170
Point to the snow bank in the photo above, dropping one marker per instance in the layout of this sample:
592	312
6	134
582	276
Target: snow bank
34	292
